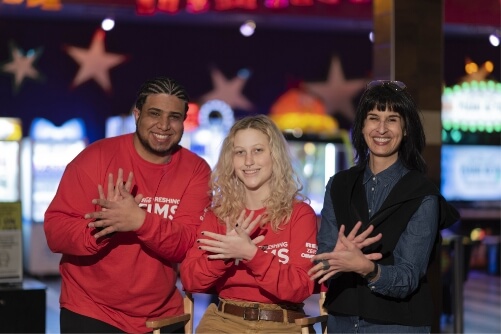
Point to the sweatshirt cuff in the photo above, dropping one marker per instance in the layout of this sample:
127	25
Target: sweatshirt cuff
220	266
258	260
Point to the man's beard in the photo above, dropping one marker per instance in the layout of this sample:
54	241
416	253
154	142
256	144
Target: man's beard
158	152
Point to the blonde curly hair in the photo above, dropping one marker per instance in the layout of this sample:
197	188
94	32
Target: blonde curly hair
228	192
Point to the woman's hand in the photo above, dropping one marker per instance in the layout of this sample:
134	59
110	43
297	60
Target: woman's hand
247	224
360	240
347	255
236	244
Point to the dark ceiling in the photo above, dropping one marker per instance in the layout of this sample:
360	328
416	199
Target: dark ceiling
468	17
297	46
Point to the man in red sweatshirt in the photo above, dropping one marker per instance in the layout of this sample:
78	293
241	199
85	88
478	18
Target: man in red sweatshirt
119	258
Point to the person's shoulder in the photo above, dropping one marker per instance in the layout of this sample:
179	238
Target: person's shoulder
347	174
187	153
303	208
102	147
415	178
109	142
186	156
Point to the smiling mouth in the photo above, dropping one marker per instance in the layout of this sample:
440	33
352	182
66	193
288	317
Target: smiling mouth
160	137
250	171
382	140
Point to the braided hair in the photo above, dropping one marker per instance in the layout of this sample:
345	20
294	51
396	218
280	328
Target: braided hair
161	85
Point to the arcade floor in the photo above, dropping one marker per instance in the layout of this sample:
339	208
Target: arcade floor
482	305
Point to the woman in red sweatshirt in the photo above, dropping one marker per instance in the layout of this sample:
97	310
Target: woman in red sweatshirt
255	244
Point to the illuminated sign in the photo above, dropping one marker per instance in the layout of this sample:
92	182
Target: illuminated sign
9	171
471	173
43	4
48	150
472	107
10	128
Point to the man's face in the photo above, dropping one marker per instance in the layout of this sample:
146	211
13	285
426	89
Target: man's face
159	127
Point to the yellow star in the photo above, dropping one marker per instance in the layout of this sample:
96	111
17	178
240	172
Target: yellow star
21	66
337	92
229	91
95	62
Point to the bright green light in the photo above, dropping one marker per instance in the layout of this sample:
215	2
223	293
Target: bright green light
444	135
456	136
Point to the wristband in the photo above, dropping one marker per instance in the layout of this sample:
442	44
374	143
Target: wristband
370	276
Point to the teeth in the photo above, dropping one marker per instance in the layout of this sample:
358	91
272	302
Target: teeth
161	136
382	140
250	171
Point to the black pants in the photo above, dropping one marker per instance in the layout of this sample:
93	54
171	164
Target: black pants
71	322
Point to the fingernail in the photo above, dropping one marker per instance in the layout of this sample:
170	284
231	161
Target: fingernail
203	233
199	247
236	225
198	240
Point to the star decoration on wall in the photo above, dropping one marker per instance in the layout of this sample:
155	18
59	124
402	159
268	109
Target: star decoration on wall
229	91
95	63
21	65
337	92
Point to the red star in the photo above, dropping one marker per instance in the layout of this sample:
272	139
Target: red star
337	92
95	62
229	91
21	66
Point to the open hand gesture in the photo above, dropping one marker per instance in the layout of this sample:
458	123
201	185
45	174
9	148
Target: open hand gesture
120	210
236	244
113	192
347	255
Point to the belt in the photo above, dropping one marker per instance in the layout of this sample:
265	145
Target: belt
254	313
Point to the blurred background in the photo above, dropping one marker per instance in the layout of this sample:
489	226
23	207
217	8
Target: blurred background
70	70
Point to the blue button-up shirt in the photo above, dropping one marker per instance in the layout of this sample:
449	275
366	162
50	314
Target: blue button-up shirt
412	252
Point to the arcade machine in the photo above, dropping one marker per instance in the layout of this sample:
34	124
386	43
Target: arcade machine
215	119
11	261
44	156
319	147
315	159
119	125
18	294
471	151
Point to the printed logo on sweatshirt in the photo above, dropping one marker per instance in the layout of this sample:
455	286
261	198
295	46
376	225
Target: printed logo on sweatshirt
281	250
311	250
163	206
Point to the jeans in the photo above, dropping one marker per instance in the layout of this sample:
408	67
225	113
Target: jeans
355	324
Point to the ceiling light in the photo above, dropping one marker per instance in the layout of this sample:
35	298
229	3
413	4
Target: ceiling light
107	24
494	38
247	28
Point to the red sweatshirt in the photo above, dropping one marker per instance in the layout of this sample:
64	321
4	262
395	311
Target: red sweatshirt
130	276
278	274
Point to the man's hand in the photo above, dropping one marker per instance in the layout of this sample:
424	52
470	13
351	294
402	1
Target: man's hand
120	211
